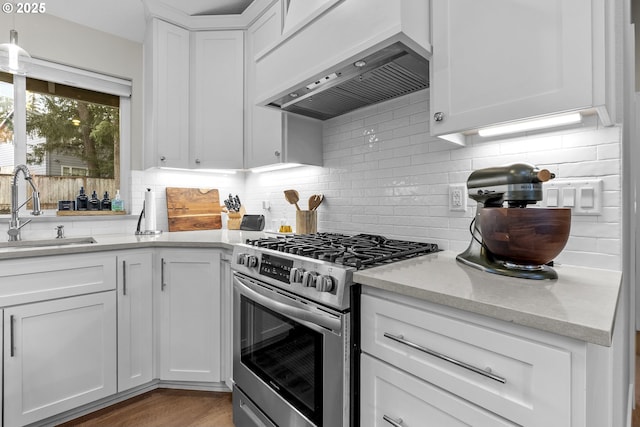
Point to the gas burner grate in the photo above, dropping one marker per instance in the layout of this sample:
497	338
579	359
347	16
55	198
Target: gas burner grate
359	251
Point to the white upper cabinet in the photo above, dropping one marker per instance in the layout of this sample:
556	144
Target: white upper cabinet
217	92
498	61
329	34
264	132
194	97
274	137
166	57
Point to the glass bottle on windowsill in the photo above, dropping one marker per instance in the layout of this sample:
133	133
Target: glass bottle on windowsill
117	204
82	201
94	202
105	204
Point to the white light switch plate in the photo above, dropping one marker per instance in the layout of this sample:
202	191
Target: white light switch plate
583	196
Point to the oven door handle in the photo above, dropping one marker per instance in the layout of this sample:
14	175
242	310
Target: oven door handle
301	314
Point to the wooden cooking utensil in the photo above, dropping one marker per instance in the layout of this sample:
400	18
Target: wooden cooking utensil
314	201
292	197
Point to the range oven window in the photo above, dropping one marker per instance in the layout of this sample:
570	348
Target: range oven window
284	354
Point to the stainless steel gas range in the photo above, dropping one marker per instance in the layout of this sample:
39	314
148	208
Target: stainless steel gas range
292	325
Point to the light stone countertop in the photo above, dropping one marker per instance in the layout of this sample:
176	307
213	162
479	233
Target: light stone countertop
223	238
580	304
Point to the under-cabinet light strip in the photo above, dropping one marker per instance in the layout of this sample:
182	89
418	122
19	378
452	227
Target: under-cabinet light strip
546	122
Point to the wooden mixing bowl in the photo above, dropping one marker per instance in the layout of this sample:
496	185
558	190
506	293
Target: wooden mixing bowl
527	236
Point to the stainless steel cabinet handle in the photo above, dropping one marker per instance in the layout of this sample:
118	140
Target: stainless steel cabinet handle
439	116
401	340
162	283
276	153
11	341
124	277
394	423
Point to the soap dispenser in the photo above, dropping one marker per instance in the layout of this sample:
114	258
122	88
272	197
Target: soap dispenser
105	204
82	201
94	202
117	204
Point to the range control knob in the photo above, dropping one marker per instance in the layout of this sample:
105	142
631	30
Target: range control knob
309	278
325	283
242	259
252	261
296	274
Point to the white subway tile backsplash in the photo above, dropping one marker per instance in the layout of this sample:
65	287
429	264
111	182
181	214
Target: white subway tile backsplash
384	174
591	168
608	151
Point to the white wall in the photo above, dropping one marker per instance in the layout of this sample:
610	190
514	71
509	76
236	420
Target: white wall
384	174
158	180
57	40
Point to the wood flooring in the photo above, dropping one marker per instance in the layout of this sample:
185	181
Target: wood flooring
163	408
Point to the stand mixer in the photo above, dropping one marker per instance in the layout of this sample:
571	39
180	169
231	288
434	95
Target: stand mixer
518	185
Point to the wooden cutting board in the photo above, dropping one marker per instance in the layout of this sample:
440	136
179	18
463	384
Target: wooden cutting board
193	209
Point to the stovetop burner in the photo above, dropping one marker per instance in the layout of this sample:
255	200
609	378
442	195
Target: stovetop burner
359	251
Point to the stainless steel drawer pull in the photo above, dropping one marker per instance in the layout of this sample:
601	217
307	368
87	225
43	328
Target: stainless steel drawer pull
124	277
162	283
12	321
483	372
394	423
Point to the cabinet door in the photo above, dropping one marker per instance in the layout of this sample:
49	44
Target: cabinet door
520	379
390	396
217	107
226	327
58	355
496	61
190	316
135	320
264	125
167	96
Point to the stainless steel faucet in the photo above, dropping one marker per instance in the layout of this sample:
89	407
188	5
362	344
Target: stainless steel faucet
15	225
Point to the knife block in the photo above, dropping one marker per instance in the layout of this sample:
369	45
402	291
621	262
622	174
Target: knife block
235	219
306	222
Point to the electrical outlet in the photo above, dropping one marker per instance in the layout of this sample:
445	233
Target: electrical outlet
458	198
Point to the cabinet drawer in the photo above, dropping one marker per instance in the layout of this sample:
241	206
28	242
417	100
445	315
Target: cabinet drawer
390	395
43	278
517	378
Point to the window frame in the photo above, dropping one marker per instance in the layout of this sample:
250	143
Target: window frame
85	79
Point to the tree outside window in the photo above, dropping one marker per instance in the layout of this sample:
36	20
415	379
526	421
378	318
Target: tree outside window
72	134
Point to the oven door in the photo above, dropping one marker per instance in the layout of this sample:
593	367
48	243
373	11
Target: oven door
290	357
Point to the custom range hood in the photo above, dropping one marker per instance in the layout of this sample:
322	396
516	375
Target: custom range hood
390	72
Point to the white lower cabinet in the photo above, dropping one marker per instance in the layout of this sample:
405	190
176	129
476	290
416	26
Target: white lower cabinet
392	397
189	324
135	319
80	328
441	367
226	323
58	355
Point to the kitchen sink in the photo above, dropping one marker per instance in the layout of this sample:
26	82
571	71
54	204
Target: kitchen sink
41	243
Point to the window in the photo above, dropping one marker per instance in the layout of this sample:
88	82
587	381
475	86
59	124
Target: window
68	126
74	171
